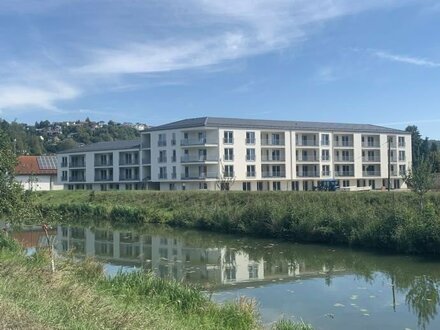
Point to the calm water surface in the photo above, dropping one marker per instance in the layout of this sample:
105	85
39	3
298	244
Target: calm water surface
329	287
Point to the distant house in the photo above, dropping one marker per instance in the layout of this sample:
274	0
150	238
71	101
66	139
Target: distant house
37	173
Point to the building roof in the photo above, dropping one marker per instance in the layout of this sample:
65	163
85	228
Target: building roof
274	124
36	165
105	146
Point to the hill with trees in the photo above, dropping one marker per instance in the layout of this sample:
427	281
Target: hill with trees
47	137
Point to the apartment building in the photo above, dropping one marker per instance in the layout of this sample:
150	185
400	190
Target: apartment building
101	166
245	154
261	155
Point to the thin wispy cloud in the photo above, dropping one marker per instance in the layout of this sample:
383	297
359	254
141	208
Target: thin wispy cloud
92	47
406	59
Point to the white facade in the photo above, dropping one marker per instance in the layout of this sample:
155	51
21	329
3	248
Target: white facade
39	182
219	153
273	159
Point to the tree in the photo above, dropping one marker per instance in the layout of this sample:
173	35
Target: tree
416	143
420	179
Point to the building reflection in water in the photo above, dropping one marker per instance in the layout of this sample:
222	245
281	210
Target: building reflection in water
171	257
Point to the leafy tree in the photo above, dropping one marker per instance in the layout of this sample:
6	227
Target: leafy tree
420	179
416	143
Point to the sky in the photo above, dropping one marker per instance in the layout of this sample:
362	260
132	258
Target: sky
157	61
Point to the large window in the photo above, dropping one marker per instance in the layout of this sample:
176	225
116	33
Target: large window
250	154
250	171
229	154
229	171
228	137
250	137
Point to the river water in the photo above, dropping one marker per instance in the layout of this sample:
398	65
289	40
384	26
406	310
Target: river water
329	287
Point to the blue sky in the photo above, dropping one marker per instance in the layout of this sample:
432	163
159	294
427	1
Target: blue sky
375	61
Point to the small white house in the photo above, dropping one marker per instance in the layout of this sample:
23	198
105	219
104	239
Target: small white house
37	173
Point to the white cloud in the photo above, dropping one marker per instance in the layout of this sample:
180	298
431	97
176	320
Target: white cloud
406	59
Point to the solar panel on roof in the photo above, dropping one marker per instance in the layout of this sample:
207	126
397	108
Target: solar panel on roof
47	162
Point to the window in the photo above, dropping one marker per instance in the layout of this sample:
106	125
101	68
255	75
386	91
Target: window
325	154
162	172
174	156
174	173
246	186
229	171
346	140
325	140
276	185
162	140
250	137
402	155
401	141
228	137
173	139
260	186
250	171
325	170
346	156
276	155
203	185
346	183
172	186
64	176
276	139
276	171
250	154
295	185
229	154
253	271
202	154
402	169
202	137
64	162
162	156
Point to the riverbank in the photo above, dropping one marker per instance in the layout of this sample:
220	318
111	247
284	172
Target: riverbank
386	221
79	296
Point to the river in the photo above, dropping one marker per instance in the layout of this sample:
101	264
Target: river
329	287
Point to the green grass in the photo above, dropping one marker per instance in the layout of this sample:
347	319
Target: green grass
79	296
387	221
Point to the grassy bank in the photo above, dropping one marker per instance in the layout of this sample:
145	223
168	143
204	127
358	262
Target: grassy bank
79	296
388	221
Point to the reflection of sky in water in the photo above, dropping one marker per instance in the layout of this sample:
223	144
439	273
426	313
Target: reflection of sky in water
348	303
112	270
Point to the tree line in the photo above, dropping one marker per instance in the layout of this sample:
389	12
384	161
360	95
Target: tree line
424	150
46	137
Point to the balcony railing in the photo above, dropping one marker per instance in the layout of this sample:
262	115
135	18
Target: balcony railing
146	145
273	158
107	163
250	141
77	179
64	178
308	174
402	159
344	173
228	140
104	178
196	159
325	142
229	174
251	174
173	159
77	164
250	158
370	173
372	159
196	142
173	175
374	144
325	173
200	176
129	178
343	143
161	143
228	157
162	176
307	159
63	164
349	159
124	162
173	142
162	159
307	143
402	144
146	161
272	142
272	174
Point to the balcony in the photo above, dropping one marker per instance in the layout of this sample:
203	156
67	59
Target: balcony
371	144
146	145
197	159
129	178
349	159
307	143
340	144
372	159
104	178
308	174
344	173
276	174
77	179
106	163
325	143
125	162
370	173
273	158
301	158
146	161
162	159
250	141
200	176
272	142
77	164
197	142
325	173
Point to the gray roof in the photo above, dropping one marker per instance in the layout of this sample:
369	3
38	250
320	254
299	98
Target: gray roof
105	146
274	124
